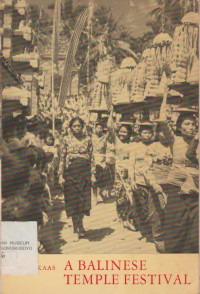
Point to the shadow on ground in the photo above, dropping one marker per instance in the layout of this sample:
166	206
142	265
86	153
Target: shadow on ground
98	234
51	237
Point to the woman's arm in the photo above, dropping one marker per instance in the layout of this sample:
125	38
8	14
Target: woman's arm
167	131
191	153
168	134
149	175
111	129
90	147
131	169
63	155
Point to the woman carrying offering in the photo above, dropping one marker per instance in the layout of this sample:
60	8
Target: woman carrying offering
181	214
122	185
145	189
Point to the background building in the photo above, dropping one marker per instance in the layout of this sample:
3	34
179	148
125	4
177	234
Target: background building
20	53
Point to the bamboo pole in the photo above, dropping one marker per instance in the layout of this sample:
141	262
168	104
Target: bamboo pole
89	29
55	15
52	88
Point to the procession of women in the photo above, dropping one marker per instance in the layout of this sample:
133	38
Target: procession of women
151	175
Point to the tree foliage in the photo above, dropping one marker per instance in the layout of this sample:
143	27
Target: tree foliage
41	24
169	13
105	36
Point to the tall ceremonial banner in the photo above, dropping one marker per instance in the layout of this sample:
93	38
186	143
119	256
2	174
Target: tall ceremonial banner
55	54
56	30
69	60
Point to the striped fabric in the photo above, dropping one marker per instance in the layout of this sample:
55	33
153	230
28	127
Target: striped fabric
56	30
69	60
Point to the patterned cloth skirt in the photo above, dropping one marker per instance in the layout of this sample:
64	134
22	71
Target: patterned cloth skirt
77	187
122	192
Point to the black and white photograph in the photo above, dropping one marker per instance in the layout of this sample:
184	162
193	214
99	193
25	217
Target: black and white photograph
99	120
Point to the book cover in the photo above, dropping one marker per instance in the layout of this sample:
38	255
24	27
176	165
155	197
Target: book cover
99	149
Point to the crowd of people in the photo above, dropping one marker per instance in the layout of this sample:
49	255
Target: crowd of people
152	175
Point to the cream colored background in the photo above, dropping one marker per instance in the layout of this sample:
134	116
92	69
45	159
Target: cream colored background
53	282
